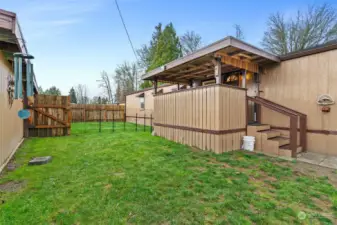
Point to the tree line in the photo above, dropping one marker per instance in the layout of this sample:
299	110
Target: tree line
308	28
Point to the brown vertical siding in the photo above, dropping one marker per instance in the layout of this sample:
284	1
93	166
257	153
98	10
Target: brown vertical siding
296	84
212	118
11	126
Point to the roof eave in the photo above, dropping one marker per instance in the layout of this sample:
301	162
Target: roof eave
212	48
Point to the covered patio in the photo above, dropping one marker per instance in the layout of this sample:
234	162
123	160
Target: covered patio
211	114
228	61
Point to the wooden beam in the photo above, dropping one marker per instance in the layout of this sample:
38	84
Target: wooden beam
50	106
50	116
229	60
235	52
50	126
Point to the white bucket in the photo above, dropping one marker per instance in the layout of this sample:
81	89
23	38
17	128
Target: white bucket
248	143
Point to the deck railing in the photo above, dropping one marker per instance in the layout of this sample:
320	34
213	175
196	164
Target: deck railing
294	116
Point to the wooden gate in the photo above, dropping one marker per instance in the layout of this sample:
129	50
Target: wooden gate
50	116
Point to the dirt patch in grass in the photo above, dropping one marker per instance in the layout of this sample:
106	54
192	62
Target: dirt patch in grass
195	149
198	168
302	168
12	186
121	174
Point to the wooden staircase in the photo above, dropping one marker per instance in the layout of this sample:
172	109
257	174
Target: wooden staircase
270	142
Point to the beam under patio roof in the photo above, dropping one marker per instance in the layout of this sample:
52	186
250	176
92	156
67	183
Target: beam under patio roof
235	54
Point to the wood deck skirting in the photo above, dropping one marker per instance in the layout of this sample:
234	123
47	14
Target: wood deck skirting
206	131
326	132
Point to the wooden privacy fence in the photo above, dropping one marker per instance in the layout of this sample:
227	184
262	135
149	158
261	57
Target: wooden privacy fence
97	112
50	116
209	117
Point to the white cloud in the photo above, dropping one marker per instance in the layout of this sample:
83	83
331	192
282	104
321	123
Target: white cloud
42	18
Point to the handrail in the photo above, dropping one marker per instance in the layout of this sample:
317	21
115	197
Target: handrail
272	106
274	103
294	116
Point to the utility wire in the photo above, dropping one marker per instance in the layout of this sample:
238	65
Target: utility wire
126	30
127	33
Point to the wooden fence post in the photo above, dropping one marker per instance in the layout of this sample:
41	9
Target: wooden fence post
113	121
136	122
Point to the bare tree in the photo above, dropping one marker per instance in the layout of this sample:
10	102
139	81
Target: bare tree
81	91
105	84
316	25
190	42
126	80
144	55
238	32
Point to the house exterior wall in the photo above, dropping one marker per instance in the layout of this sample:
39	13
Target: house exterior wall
296	84
11	126
132	104
211	118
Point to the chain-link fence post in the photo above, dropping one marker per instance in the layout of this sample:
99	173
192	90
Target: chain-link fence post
151	124
136	122
100	115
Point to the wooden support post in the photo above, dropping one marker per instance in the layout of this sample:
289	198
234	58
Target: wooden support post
258	113
243	84
178	86
217	70
293	136
303	133
155	83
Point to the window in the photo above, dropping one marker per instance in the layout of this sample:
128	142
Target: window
142	102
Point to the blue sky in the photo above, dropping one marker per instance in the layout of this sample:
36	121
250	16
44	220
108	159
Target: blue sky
74	40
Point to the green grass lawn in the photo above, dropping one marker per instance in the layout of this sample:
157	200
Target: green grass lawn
134	178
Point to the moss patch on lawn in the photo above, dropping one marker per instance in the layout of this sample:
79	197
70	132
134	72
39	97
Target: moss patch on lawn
128	177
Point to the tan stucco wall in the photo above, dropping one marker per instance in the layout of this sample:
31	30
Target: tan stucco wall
296	84
11	127
133	104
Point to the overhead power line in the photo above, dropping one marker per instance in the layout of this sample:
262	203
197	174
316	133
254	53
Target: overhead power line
126	30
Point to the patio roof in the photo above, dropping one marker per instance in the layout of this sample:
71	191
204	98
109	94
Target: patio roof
234	53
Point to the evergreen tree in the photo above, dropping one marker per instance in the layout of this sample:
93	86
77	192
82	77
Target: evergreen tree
168	47
147	53
53	90
72	95
164	47
40	90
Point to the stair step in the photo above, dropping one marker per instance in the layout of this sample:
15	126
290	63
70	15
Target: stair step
281	140
262	127
287	147
271	133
